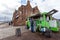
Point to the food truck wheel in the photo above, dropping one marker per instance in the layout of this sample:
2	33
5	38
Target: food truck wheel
48	33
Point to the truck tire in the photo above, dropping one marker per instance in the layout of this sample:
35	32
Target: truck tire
48	33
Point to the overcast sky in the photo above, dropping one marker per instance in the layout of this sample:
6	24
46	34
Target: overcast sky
7	7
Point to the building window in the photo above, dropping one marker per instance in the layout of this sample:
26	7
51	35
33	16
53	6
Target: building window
26	12
17	16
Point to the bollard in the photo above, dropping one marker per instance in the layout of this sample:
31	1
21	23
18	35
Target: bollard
18	32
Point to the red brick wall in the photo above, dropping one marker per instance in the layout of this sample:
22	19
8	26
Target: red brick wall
23	12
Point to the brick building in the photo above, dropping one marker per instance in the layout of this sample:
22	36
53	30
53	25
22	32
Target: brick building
20	15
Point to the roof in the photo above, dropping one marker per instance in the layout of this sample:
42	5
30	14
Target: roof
35	15
28	3
52	12
47	14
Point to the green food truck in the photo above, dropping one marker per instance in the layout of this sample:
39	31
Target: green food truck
44	23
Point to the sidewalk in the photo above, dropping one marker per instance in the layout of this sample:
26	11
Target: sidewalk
10	31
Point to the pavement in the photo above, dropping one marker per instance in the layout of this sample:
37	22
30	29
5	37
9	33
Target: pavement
7	31
33	36
4	25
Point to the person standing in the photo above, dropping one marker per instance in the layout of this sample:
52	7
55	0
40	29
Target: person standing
32	24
